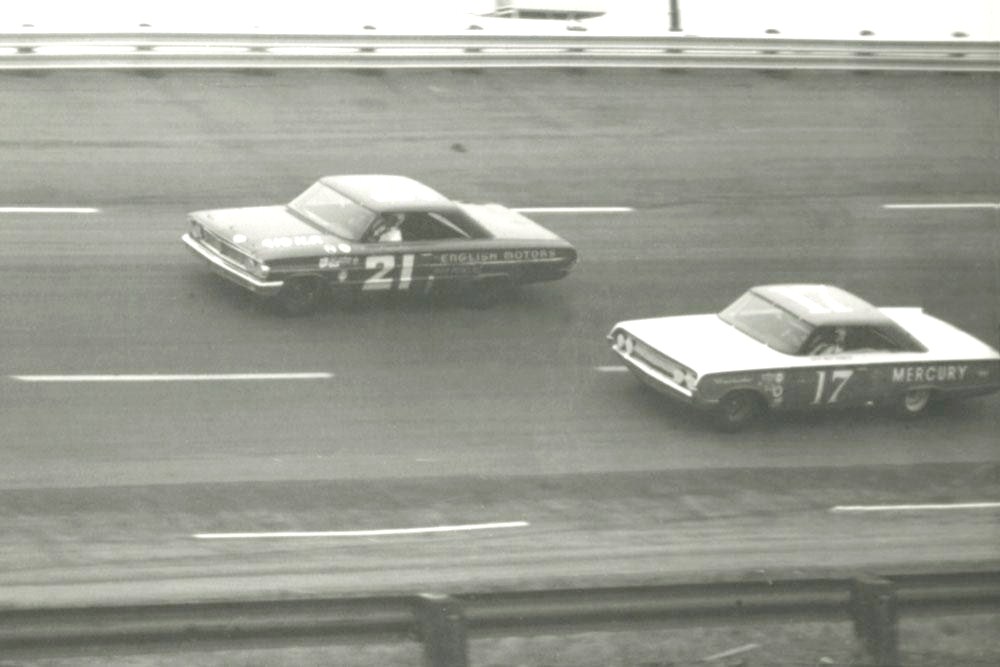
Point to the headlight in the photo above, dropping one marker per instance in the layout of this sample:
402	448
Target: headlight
690	379
623	342
196	231
258	268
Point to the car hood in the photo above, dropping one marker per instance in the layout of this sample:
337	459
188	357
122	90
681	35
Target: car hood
268	231
706	344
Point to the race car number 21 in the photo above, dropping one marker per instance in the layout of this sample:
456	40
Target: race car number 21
829	384
385	276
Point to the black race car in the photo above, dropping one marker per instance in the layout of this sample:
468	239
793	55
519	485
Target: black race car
373	233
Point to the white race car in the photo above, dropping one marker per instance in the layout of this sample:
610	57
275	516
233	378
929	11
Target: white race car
785	347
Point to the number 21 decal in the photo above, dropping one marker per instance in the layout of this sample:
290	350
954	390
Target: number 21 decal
837	380
383	278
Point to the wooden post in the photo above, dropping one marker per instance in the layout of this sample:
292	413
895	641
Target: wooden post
441	629
876	620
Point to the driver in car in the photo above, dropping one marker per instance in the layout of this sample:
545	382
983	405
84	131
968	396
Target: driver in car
388	230
828	344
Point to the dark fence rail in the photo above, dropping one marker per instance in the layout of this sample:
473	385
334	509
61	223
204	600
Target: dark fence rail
442	623
130	50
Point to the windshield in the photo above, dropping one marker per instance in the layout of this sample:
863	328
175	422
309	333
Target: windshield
762	320
333	211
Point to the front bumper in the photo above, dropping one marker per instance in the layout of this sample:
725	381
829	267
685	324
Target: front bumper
663	381
231	272
657	379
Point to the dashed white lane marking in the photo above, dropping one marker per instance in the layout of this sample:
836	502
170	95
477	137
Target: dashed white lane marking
47	209
983	205
363	533
575	209
915	508
611	369
156	377
730	653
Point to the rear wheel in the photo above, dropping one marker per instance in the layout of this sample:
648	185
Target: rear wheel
913	402
737	410
301	296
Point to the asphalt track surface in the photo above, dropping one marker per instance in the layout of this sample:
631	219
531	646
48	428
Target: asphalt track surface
439	415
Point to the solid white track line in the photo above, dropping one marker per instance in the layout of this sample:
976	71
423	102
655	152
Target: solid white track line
940	206
47	209
916	508
362	533
157	377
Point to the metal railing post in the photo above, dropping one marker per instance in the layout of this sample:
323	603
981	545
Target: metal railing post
675	16
441	629
875	613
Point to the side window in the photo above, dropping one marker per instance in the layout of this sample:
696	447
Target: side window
827	340
870	339
429	227
858	340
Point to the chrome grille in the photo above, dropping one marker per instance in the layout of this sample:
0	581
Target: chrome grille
216	243
659	361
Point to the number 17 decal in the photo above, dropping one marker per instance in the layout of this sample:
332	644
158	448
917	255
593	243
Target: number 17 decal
383	278
838	379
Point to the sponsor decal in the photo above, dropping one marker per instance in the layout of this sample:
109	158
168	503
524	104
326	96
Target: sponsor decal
469	257
774	384
743	379
937	373
503	256
523	255
337	262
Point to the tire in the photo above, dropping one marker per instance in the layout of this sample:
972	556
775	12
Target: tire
913	403
738	410
301	296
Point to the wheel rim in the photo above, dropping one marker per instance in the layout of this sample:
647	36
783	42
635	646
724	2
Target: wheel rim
738	409
916	400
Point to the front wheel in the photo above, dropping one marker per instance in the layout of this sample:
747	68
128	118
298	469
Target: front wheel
300	296
737	410
913	403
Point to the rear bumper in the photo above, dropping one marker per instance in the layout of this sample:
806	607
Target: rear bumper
230	272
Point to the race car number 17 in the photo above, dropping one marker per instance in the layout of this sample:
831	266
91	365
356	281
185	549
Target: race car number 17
838	379
385	276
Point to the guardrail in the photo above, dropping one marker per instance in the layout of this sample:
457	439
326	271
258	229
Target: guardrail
163	50
443	623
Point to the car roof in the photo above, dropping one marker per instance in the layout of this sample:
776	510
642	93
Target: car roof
388	192
823	305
